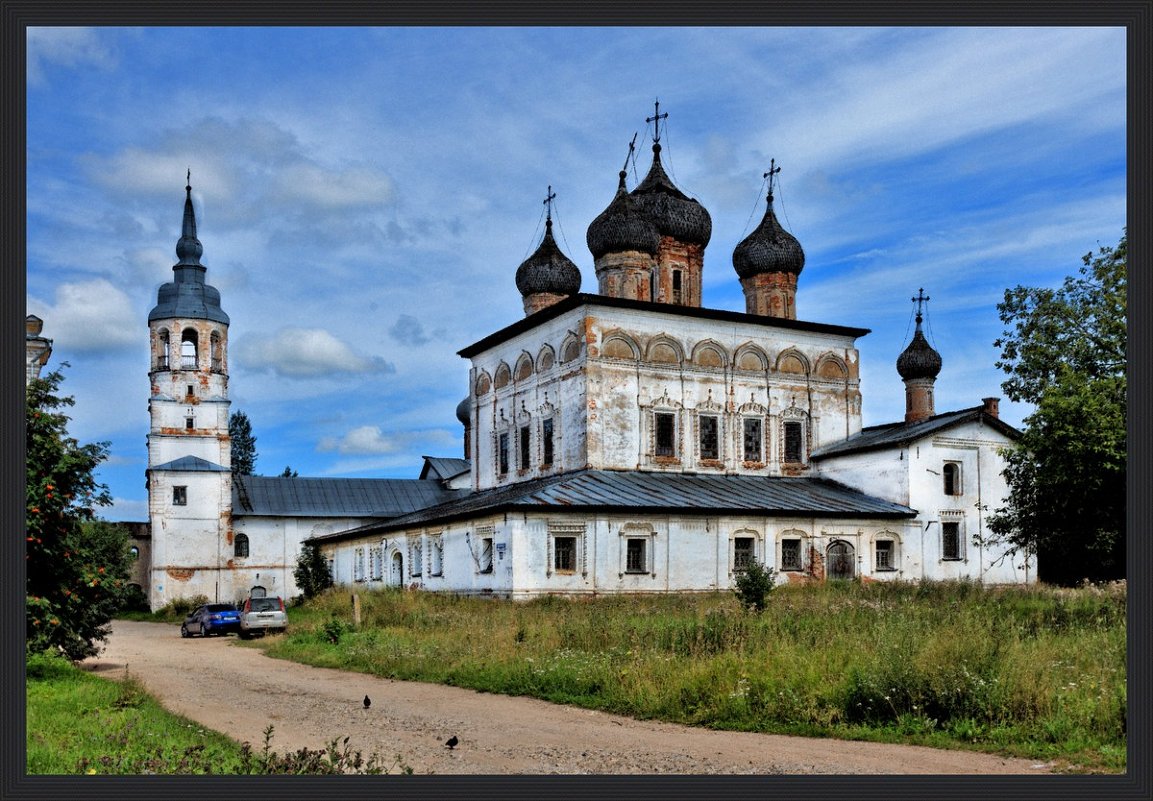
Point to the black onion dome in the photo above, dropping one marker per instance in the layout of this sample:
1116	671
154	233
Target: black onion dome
919	360
548	270
464	411
673	212
768	249
622	226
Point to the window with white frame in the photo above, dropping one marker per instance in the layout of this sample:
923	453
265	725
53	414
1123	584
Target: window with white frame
566	553
709	436
951	476
180	496
240	546
636	555
416	559
524	443
744	552
546	442
884	554
792	555
502	453
435	556
952	540
376	563
485	556
794	440
358	564
754	438
665	434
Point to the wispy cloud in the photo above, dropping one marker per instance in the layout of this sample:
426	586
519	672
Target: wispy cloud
304	353
66	47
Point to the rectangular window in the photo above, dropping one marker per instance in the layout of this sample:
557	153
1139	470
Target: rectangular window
710	438
376	563
416	560
951	541
790	554
666	433
635	561
546	442
754	437
486	555
180	496
676	286
564	554
189	423
524	448
885	555
742	552
502	454
358	565
435	556
793	442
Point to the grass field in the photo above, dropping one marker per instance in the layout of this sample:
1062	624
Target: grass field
1035	672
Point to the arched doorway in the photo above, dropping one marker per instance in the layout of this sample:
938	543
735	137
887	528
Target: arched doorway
841	561
396	575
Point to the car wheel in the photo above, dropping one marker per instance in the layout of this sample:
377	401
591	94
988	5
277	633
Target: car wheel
184	631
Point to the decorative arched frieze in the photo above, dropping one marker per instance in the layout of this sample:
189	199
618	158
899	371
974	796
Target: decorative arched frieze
711	354
619	345
663	349
751	358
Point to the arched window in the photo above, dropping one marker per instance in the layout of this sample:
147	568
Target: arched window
162	350
134	552
240	545
952	478
217	352
188	349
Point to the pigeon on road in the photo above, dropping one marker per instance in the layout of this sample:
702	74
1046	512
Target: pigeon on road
367	702
451	742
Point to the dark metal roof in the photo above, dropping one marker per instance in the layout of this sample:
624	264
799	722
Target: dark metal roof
622	227
644	492
334	497
443	467
586	299
191	464
900	434
768	249
187	296
548	269
670	210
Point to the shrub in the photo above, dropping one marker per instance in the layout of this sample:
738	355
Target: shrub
754	584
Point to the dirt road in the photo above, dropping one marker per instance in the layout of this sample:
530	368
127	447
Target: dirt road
239	691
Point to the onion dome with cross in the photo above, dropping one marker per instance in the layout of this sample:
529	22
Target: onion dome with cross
548	275
769	248
622	226
919	359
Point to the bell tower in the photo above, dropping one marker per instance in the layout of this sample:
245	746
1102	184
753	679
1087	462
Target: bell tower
189	451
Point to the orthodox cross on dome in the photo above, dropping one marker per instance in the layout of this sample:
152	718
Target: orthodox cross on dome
549	198
628	158
773	170
656	118
921	299
188	179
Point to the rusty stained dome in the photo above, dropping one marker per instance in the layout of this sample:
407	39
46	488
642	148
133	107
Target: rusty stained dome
769	248
622	227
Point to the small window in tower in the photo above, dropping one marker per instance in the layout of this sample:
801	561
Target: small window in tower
188	389
180	496
754	437
546	442
666	429
676	286
240	546
794	440
188	350
190	423
709	436
502	453
523	442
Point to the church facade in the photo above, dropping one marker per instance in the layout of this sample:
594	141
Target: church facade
624	441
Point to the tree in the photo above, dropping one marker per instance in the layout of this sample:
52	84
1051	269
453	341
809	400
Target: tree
1064	352
243	444
753	585
312	574
289	473
77	566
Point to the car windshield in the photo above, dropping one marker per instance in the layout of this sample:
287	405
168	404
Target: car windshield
221	608
264	605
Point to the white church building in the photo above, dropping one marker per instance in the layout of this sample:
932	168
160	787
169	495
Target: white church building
625	441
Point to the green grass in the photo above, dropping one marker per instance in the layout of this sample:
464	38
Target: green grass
1031	672
78	723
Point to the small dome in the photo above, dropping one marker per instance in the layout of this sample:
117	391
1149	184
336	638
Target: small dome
464	411
919	360
548	270
670	210
622	227
768	249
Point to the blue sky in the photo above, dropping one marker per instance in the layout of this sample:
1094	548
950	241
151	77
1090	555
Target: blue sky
365	195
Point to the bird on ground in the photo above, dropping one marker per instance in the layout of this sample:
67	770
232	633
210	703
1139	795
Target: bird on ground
367	702
451	742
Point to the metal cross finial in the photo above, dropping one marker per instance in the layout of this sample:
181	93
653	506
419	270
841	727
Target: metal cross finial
548	202
773	170
632	147
919	300
657	117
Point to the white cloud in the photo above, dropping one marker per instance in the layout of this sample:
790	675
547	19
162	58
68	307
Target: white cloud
68	47
304	353
88	316
371	440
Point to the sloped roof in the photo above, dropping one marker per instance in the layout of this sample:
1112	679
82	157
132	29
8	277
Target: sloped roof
644	492
276	496
900	434
443	467
191	464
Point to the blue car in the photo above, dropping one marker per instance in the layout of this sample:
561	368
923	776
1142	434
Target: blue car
211	619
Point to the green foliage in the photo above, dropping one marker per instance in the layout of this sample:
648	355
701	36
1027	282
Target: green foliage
963	665
312	574
289	472
77	566
81	724
1065	353
753	585
243	444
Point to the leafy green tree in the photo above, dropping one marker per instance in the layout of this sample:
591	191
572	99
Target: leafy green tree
312	574
77	566
1064	352
243	444
753	585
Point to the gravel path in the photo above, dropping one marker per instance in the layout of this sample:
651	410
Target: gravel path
239	691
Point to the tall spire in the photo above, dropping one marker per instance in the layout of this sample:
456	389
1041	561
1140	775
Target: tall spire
918	366
188	248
